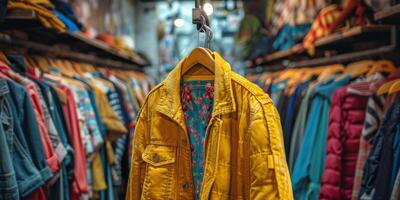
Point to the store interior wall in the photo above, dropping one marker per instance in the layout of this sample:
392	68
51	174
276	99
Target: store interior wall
145	23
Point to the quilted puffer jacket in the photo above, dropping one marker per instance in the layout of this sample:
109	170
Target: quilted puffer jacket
244	152
346	119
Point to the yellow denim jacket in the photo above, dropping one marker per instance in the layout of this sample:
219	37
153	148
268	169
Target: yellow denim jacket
244	152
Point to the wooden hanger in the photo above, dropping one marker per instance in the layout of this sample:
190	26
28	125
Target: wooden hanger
60	66
68	67
395	75
329	71
121	75
297	77
41	63
197	65
385	66
75	82
33	68
385	87
103	70
395	87
78	68
357	69
90	68
311	72
4	58
285	75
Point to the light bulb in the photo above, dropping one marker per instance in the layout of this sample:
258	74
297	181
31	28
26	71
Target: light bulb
179	22
208	8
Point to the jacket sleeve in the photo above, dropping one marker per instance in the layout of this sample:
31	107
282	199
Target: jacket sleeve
136	175
268	171
331	177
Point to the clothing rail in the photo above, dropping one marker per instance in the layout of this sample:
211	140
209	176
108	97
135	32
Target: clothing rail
8	43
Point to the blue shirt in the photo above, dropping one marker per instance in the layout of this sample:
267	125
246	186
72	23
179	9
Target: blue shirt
310	162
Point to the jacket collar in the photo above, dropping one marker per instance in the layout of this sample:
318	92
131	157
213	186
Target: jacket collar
170	99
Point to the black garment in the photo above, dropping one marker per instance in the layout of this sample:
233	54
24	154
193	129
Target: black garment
291	114
282	106
377	168
382	183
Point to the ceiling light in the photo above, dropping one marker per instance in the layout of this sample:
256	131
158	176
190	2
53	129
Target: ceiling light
179	22
208	8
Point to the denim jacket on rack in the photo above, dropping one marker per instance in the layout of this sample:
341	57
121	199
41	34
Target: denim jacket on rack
23	138
8	181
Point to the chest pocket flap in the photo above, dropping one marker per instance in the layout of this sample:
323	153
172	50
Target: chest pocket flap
157	155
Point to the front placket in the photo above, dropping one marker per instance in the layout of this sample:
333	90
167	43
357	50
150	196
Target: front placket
211	152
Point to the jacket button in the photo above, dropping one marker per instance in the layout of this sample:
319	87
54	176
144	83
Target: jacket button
185	186
184	141
156	158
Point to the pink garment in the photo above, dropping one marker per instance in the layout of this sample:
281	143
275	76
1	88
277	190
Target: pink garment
36	195
79	181
346	119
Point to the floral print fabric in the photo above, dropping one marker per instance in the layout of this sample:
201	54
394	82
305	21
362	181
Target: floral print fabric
197	104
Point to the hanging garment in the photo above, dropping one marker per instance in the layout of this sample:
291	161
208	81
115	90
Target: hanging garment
33	93
346	118
299	126
375	160
57	143
8	180
244	153
389	158
291	112
373	117
311	158
27	152
8	183
396	186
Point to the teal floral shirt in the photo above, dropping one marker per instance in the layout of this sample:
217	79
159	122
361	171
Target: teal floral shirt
197	104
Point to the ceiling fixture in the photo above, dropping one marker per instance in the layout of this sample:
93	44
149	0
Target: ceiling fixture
179	22
208	8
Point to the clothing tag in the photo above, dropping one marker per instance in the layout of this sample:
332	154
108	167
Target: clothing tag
3	87
61	152
38	73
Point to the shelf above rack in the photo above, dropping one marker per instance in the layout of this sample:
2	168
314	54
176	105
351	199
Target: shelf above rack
331	42
26	21
7	42
389	16
280	54
354	33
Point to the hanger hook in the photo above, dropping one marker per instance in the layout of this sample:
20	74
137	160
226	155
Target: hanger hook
207	31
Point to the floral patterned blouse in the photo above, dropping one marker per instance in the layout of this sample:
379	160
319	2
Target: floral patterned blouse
197	104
